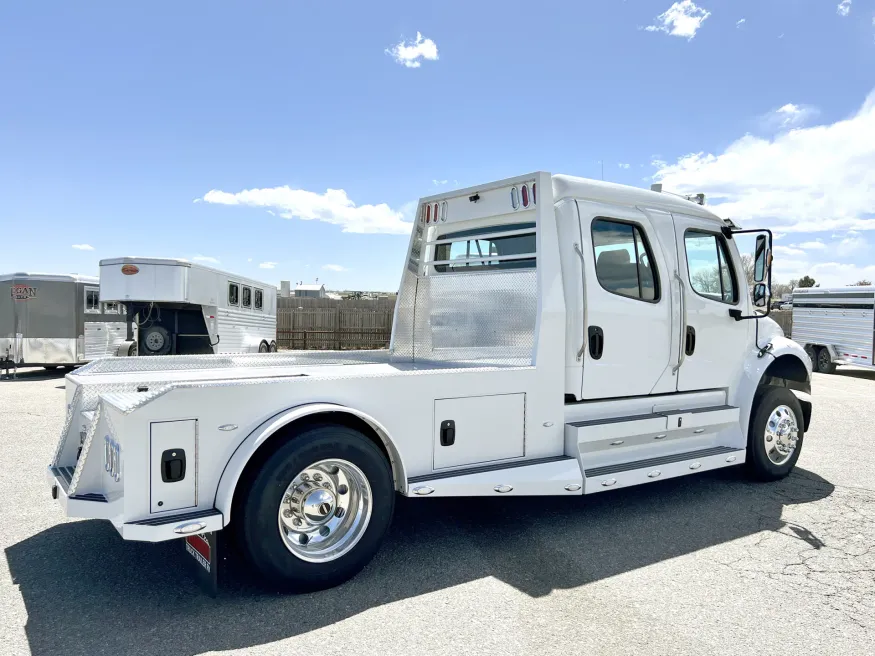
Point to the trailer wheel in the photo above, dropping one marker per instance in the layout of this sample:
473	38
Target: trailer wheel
775	436
263	347
811	351
825	365
155	340
317	509
273	347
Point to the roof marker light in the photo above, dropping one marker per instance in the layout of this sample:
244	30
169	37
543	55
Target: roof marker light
534	193
428	213
525	194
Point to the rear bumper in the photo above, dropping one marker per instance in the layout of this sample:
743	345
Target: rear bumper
151	529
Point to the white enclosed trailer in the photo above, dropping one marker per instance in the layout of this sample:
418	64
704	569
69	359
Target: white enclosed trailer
181	308
53	320
553	336
835	325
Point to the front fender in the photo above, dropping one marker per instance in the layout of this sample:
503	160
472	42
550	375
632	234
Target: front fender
258	437
754	370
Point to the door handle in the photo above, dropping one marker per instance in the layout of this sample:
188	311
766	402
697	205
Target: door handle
596	342
173	465
448	432
690	343
683	309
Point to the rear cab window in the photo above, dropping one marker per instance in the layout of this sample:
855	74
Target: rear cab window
510	246
623	260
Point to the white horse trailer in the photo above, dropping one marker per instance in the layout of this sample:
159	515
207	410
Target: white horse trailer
182	308
52	320
836	325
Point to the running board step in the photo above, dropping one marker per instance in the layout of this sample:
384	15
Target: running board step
599	479
537	477
170	527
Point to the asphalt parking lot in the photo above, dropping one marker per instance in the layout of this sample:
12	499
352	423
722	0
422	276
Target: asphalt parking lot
709	563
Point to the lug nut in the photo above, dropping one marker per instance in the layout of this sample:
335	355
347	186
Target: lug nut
287	513
296	522
305	476
317	477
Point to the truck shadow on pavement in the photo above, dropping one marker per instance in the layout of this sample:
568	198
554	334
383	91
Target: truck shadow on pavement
29	374
86	591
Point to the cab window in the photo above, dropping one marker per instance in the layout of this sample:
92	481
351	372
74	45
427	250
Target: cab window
709	267
623	260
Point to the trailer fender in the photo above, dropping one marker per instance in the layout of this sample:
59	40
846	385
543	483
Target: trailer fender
258	437
784	363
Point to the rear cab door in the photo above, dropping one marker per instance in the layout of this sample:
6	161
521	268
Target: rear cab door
627	304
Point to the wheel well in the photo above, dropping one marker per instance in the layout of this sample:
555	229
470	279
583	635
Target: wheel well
789	371
289	431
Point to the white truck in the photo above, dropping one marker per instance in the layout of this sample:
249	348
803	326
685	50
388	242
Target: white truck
179	307
553	336
835	325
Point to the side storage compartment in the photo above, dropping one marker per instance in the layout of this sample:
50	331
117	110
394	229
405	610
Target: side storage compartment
478	429
173	465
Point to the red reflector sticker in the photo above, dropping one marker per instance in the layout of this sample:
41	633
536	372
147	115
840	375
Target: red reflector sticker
200	549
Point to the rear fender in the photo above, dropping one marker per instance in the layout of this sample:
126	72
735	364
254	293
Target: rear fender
756	374
260	436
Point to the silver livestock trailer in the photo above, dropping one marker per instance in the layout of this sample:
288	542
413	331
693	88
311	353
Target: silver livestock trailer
184	308
835	325
53	320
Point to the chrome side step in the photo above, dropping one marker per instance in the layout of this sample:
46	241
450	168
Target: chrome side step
171	527
485	468
653	462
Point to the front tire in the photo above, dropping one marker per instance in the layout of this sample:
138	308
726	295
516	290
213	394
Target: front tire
775	435
825	365
317	509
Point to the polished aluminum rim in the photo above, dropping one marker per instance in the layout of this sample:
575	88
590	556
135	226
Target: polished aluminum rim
325	510
155	341
782	432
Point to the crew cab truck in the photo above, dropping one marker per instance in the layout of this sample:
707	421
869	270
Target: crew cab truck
553	336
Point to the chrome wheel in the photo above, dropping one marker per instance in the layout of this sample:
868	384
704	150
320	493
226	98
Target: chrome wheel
325	510
781	435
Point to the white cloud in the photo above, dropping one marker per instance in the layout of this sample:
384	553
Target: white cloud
811	245
438	183
741	22
789	116
682	19
205	258
623	165
249	259
334	267
844	8
852	244
409	53
812	179
334	207
83	247
267	265
788	250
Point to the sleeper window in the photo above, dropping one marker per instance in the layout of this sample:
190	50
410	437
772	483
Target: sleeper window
623	260
259	299
709	267
233	293
247	297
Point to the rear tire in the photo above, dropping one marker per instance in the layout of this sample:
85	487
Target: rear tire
273	347
263	347
825	365
811	352
775	435
155	340
283	491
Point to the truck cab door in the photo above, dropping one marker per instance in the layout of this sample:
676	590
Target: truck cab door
627	303
712	282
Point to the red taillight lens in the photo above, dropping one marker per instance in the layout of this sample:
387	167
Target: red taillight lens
428	213
525	195
534	193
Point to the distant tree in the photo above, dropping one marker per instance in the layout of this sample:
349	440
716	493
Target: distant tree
806	281
747	263
780	288
862	283
706	281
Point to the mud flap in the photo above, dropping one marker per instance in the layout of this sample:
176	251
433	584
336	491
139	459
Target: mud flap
204	549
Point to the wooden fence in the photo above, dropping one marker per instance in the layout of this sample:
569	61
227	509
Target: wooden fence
323	323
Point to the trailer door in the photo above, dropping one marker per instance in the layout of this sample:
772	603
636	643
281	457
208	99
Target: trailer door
628	306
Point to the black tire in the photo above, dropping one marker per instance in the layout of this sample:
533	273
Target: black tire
273	347
759	465
264	347
256	519
155	340
811	351
824	363
132	350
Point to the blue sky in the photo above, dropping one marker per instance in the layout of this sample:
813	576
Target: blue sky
133	128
